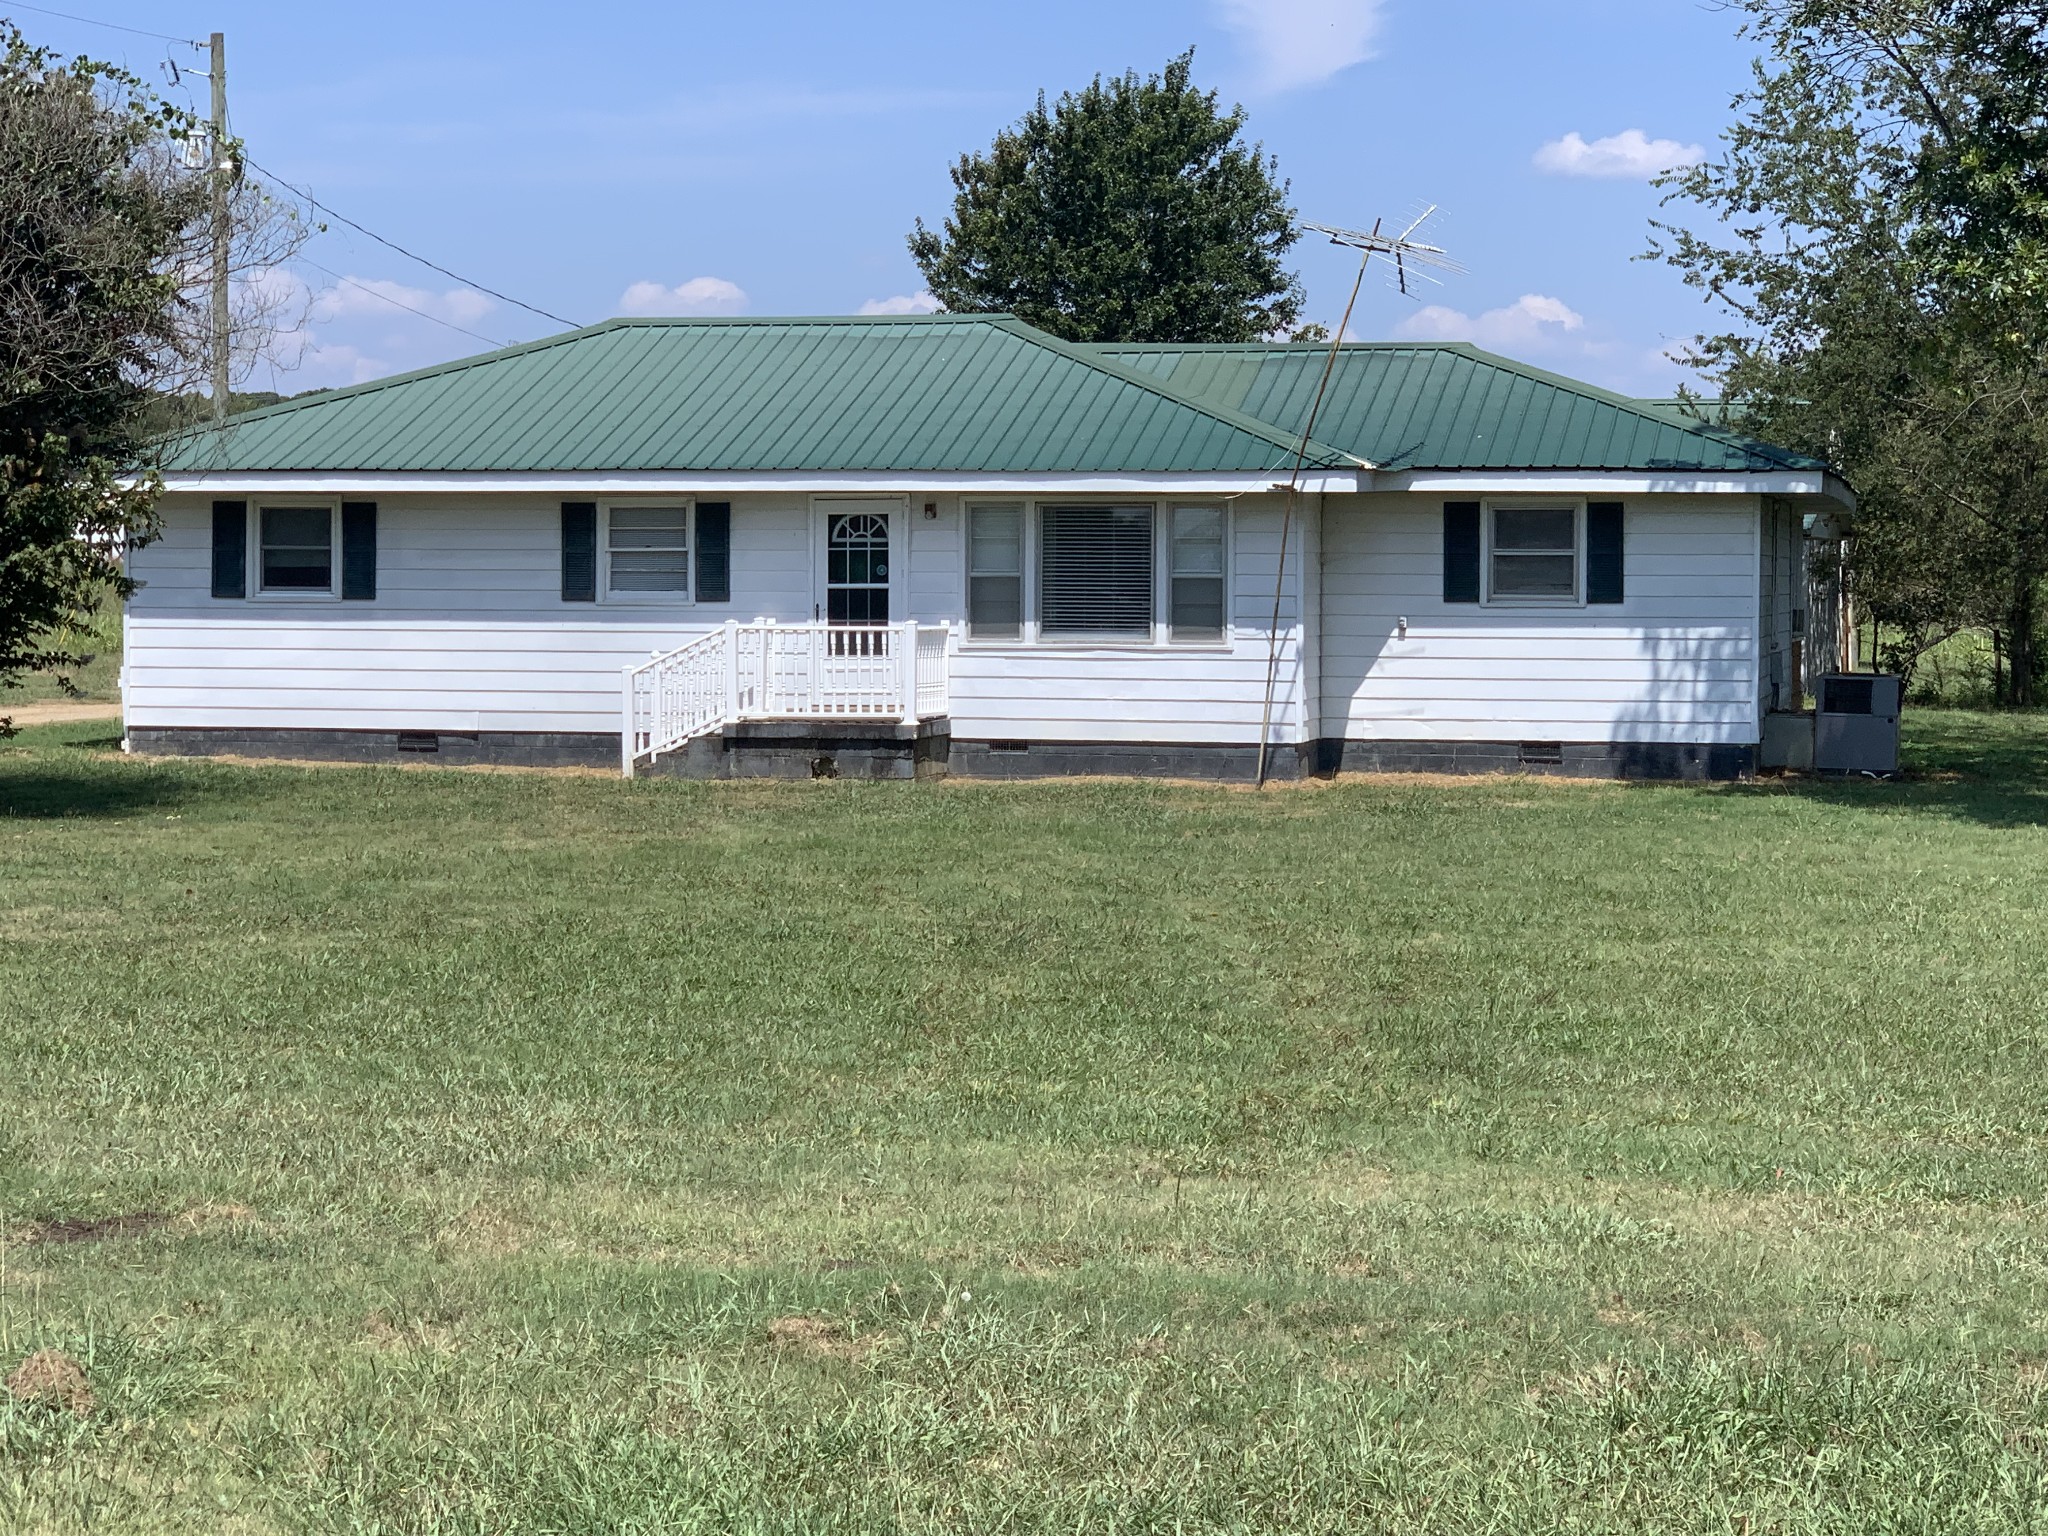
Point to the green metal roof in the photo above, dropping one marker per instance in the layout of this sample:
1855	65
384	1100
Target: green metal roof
1452	406
968	393
959	393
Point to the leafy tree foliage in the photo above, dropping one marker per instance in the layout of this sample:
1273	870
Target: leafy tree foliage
104	225
1128	211
1882	246
94	216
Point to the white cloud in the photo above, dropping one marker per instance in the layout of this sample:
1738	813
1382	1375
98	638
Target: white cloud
321	330
379	296
336	365
1302	42
1629	153
1534	322
919	303
697	296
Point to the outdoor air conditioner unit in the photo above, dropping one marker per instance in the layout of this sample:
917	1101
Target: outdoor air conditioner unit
1856	727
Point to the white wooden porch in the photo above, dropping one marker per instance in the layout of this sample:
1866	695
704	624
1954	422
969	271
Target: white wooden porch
767	671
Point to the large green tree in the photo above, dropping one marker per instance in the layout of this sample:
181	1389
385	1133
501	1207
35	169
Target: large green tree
1131	210
1879	242
97	221
105	227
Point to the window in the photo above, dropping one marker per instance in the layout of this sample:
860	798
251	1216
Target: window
857	568
1104	572
995	572
647	551
1534	555
1195	570
1095	571
296	552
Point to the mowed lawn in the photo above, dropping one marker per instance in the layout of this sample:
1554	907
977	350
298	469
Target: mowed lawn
435	1151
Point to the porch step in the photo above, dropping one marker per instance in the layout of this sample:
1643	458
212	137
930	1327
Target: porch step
813	749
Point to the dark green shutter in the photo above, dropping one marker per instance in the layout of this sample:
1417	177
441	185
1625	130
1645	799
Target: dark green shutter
714	551
1461	551
231	549
359	551
1603	552
579	551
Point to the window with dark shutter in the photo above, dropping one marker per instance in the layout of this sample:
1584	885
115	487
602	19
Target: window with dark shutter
647	551
1604	552
579	551
714	551
1535	555
1095	571
231	549
295	549
1461	551
359	551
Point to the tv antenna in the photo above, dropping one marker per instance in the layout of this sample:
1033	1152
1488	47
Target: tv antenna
1404	248
1406	251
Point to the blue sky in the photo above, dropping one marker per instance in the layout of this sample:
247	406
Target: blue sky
769	159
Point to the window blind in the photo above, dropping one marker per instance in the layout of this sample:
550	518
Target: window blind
649	549
1095	570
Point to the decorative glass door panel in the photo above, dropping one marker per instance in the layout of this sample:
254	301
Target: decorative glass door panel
857	568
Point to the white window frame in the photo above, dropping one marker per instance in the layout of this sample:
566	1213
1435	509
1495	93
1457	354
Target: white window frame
1160	638
1026	590
1532	504
1163	567
331	593
687	598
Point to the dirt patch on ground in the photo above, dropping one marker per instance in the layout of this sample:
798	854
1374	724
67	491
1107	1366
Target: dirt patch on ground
59	712
486	1234
200	1217
248	760
1615	1312
1597	1384
818	1336
92	1229
51	1377
385	1333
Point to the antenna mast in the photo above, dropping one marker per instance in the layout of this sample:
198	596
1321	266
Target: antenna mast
1405	251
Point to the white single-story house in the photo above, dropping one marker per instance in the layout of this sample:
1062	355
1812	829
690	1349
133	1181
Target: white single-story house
897	544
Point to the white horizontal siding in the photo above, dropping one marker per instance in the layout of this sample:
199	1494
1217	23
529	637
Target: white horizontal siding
1677	661
1212	694
497	555
341	672
468	632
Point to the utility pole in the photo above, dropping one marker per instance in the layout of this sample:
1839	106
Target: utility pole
220	227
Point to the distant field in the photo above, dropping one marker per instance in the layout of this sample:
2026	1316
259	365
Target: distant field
426	1151
98	679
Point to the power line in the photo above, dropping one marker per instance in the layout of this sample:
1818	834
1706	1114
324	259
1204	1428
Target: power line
111	26
377	293
410	255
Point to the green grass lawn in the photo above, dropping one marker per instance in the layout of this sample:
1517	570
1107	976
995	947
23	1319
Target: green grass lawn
425	1151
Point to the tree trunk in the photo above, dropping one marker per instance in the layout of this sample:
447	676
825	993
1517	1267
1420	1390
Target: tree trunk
2020	644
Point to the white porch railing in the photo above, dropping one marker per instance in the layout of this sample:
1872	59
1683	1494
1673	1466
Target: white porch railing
783	672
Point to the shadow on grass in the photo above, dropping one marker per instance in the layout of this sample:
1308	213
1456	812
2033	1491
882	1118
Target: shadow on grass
1972	765
55	772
